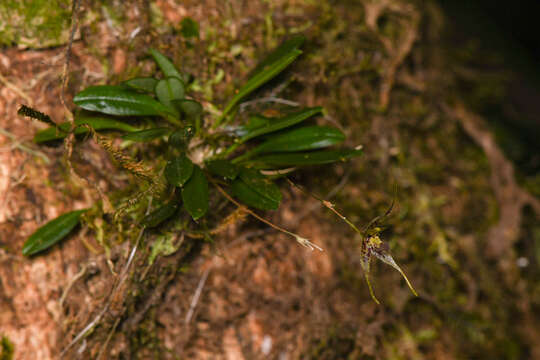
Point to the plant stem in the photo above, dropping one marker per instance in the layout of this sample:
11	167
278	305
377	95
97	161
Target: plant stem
301	240
327	204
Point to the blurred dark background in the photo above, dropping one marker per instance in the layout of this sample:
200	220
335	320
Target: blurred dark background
503	42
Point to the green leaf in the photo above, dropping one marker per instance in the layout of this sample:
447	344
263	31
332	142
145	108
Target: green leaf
169	89
51	233
248	196
256	190
180	138
270	69
142	83
147	134
179	170
282	123
223	168
255	121
98	123
166	65
272	65
285	48
305	158
117	100
195	194
306	138
159	215
191	108
189	28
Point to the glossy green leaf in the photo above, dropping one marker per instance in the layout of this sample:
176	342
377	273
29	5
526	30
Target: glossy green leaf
306	138
257	121
98	123
272	65
142	83
52	232
282	123
179	170
264	74
169	89
305	158
159	215
180	138
117	100
223	168
147	134
248	196
191	108
195	194
166	65
285	48
254	122
262	192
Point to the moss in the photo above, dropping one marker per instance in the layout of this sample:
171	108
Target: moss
337	343
6	349
34	23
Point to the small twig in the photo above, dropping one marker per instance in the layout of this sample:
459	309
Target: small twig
330	119
86	244
196	296
120	281
109	337
134	33
18	91
153	298
268	99
327	204
74	20
330	194
70	284
18	144
68	148
303	241
86	329
278	89
277	172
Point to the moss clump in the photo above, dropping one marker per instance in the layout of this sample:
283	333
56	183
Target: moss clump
337	343
34	23
6	349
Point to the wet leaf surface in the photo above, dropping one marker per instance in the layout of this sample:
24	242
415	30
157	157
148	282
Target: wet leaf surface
117	100
282	123
306	158
195	194
179	170
160	214
143	84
